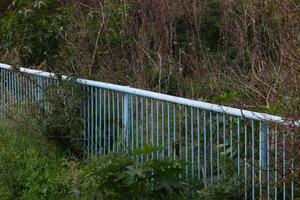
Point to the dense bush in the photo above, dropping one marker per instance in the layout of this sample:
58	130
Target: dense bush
33	168
198	49
120	177
62	120
29	31
30	168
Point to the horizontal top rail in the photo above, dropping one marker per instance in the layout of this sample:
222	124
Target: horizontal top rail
163	97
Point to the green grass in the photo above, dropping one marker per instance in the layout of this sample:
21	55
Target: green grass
30	168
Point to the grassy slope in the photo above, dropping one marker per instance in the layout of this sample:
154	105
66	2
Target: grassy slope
29	168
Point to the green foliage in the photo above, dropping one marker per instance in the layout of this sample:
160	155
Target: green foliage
117	14
30	168
211	25
58	116
227	98
63	122
120	177
225	189
30	28
33	168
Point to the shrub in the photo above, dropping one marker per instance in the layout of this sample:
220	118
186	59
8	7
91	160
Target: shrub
62	121
31	29
122	177
119	177
30	168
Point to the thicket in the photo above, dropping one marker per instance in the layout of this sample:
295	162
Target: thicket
32	167
243	53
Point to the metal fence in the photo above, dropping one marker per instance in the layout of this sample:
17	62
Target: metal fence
212	139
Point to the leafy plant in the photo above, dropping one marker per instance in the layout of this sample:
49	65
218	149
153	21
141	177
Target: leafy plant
61	120
30	168
30	28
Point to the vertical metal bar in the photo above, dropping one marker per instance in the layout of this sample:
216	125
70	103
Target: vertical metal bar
142	126
152	126
92	120
104	122
231	137
163	129
276	164
126	118
192	142
1	93
179	143
284	165
89	120
30	90
157	127
268	162
4	89
100	124
109	120
262	156
15	89
5	83
84	122
12	88
246	161
33	91
253	158
224	140
204	150
169	132
122	142
211	146
18	89
292	165
26	90
198	145
174	132
23	90
118	122
8	88
114	122
239	149
40	88
96	121
137	121
186	143
147	124
132	131
218	144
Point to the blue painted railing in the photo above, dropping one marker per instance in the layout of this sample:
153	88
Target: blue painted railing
260	147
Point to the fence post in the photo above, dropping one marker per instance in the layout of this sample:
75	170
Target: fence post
2	95
262	156
40	88
126	118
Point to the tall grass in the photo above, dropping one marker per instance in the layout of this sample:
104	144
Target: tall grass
31	167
